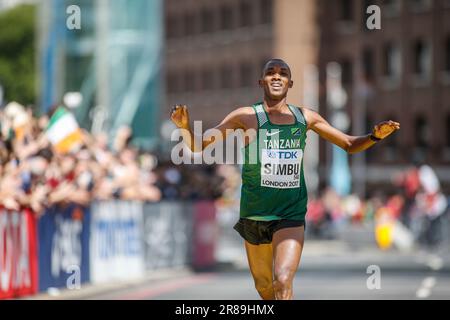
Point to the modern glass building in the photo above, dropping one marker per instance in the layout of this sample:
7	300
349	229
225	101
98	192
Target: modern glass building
113	57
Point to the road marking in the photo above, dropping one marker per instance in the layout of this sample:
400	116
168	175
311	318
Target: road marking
435	262
423	293
166	287
425	289
429	282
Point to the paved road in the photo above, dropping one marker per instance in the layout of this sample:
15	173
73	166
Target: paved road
329	270
331	277
309	285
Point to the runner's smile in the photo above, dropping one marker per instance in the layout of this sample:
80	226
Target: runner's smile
276	86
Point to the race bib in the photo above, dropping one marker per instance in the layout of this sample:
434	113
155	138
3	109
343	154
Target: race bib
281	168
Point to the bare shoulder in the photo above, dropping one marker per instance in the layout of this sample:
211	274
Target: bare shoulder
245	110
246	117
240	117
310	115
306	110
240	111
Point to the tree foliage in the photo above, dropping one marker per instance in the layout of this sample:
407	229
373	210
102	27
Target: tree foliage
17	54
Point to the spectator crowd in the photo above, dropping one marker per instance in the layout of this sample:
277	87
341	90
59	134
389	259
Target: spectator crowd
35	175
416	212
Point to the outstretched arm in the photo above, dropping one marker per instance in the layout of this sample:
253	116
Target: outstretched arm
180	117
351	144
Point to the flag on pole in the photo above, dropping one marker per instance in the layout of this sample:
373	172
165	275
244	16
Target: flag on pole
63	131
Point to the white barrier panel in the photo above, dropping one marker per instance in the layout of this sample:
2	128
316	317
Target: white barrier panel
167	234
116	251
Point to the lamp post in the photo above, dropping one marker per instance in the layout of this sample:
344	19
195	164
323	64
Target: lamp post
311	99
340	176
362	94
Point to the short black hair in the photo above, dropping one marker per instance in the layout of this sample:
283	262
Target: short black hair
275	60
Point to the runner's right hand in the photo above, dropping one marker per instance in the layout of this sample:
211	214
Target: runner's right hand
180	116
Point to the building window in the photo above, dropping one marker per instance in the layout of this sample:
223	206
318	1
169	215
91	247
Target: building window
174	82
246	75
422	132
171	27
447	54
391	8
262	63
177	82
447	128
422	138
392	144
368	62
207	79
225	77
364	15
420	5
422	59
189	27
245	14
189	81
370	153
207	21
170	83
266	11
346	10
196	80
347	72
226	18
369	122
391	61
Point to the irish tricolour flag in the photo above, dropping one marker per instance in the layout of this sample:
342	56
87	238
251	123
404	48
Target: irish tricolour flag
63	131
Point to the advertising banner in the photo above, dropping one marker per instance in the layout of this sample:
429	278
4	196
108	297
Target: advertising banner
18	260
64	247
116	250
205	235
167	234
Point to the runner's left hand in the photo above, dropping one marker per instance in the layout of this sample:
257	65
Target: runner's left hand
385	128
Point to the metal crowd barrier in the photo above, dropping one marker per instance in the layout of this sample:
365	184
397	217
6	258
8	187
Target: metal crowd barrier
107	241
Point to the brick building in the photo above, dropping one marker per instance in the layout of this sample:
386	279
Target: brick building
405	69
215	51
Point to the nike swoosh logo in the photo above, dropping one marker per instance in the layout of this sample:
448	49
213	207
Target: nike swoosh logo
273	133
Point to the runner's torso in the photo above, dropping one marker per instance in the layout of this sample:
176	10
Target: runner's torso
273	185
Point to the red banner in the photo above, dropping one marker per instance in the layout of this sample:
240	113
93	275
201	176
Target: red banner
205	235
18	254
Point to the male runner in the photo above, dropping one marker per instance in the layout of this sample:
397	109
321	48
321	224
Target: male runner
274	196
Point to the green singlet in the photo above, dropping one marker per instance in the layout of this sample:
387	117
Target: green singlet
273	185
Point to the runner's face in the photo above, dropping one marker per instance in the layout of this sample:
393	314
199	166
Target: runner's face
276	80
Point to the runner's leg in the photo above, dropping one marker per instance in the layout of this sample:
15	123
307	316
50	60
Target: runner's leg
260	260
287	249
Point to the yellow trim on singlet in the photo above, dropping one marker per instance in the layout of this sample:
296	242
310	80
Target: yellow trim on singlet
263	218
